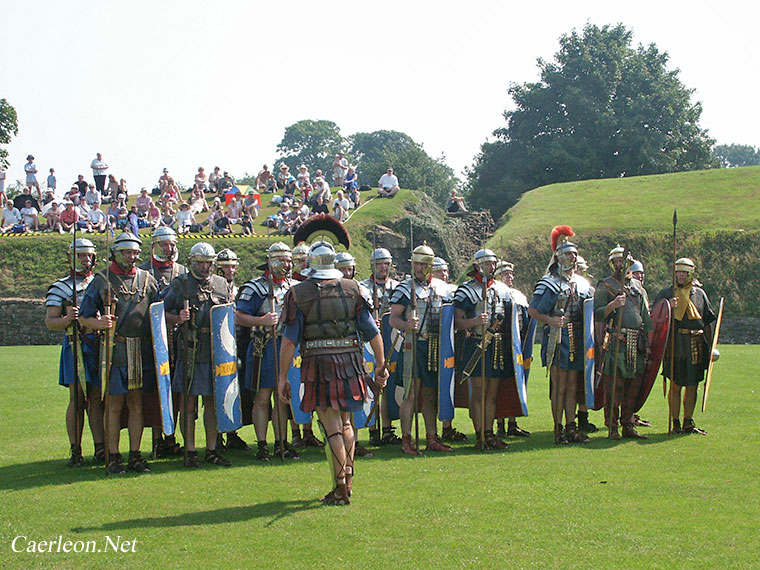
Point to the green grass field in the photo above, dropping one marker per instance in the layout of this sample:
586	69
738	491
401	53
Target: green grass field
668	502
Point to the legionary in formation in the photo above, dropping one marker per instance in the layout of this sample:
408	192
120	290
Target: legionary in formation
188	304
117	301
323	316
620	302
505	272
163	266
300	261
479	308
61	312
259	307
557	302
380	285
416	309
692	319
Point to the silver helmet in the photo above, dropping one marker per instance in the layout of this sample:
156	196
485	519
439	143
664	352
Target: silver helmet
276	253
440	264
344	259
503	267
636	267
82	245
322	261
125	242
227	257
201	252
618	252
685	264
301	251
163	244
481	257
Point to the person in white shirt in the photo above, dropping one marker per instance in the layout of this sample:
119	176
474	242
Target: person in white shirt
340	206
31	175
387	186
11	217
96	219
31	218
185	218
99	172
92	195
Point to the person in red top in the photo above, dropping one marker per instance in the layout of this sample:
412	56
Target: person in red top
69	217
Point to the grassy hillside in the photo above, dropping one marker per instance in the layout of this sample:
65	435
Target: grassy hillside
718	221
30	263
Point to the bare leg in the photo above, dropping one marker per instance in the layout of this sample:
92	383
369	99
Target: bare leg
261	401
209	421
115	404
187	424
135	422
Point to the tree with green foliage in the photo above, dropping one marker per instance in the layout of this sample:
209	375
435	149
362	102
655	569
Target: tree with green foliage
415	169
602	109
8	128
313	143
733	155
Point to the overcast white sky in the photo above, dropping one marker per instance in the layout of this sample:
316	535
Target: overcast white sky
188	83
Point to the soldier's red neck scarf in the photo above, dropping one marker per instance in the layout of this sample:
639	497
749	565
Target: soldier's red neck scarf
119	271
274	278
479	279
161	264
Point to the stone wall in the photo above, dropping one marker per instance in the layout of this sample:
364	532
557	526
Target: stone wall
22	322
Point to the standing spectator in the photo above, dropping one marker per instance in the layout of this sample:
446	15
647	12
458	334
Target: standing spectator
81	185
99	172
340	166
200	178
340	206
11	217
2	186
96	219
31	175
53	217
52	182
93	195
69	217
185	218
263	180
31	219
387	186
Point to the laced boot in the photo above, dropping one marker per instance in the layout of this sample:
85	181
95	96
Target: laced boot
500	431
287	451
338	496
361	451
263	451
220	442
215	457
689	427
575	436
171	447
584	425
100	453
434	444
614	434
115	464
630	432
389	436
158	450
192	459
495	442
310	439
481	445
559	435
676	428
234	441
451	434
517	431
407	446
136	463
76	459
298	441
374	437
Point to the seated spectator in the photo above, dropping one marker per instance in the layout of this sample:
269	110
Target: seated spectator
96	219
122	220
133	220
92	195
264	180
300	218
221	223
340	206
69	217
47	199
234	211
123	188
200	178
246	223
351	182
213	180
224	184
284	176
30	216
251	204
303	176
81	185
11	219
171	193
167	216
198	202
154	215
73	195
387	186
301	207
19	201
53	217
455	204
320	207
113	214
289	193
163	180
284	219
321	188
185	218
143	203
111	189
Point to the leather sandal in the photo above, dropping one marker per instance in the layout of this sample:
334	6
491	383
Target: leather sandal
76	459
630	432
338	496
407	446
559	435
137	464
234	441
494	442
435	444
311	440
115	464
514	430
263	453
451	434
575	436
614	434
676	428
389	437
689	427
192	459
215	457
361	451
100	453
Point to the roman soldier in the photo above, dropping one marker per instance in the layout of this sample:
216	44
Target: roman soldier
188	304
557	302
61	312
259	307
323	316
621	303
300	261
692	333
119	298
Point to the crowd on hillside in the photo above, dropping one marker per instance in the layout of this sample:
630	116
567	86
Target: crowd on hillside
102	204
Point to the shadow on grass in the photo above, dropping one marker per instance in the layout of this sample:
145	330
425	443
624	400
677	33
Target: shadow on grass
275	510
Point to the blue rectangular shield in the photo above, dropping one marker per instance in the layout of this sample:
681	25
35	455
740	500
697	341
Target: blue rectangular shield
296	390
394	356
446	364
527	348
518	361
229	414
161	357
588	350
361	417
